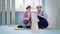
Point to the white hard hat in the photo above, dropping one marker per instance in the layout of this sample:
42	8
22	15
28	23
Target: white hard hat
38	5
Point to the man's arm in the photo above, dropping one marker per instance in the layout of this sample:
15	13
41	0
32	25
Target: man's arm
41	16
44	15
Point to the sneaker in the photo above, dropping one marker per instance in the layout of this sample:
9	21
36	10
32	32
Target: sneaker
20	26
28	26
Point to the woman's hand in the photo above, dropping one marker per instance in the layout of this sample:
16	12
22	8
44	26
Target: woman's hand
26	18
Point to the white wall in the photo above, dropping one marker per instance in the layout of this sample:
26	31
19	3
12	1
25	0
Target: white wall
53	11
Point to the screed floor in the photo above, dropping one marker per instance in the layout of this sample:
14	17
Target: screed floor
5	29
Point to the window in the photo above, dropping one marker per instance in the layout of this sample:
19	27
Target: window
20	5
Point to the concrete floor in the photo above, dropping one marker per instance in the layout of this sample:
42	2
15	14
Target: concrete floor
5	29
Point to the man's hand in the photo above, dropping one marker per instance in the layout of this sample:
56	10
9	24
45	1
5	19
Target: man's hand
38	14
42	16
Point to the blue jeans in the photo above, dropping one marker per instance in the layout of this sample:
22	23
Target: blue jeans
26	23
43	23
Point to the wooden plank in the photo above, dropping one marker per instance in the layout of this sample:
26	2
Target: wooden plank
8	12
3	11
13	18
13	11
3	18
3	5
34	23
0	5
8	18
0	18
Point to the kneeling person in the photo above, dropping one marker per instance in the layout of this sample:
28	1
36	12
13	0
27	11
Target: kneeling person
42	17
27	17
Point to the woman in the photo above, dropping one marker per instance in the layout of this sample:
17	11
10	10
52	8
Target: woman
27	17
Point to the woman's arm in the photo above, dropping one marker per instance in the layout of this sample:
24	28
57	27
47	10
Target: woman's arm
26	16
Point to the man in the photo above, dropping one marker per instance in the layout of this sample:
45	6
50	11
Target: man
42	16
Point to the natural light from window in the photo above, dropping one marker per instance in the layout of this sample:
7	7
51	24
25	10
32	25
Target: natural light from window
20	5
